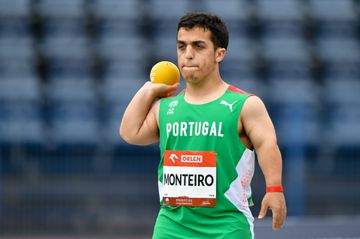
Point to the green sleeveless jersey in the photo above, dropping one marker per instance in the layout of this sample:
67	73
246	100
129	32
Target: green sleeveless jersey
205	170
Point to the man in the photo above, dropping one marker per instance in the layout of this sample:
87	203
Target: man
208	137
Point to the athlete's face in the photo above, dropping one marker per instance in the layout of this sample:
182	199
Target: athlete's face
197	57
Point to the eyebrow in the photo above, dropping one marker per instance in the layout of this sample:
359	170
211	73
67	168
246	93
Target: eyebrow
193	42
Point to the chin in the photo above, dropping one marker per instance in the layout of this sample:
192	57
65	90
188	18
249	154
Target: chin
192	80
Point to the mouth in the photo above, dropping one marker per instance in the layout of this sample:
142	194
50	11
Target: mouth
190	67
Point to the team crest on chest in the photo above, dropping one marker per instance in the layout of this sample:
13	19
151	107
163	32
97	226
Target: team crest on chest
171	107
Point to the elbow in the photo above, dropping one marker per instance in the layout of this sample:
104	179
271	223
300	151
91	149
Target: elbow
128	137
267	145
125	135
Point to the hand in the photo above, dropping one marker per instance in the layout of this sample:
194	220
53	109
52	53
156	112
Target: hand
161	90
275	201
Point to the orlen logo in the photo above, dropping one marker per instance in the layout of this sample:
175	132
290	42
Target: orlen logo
173	157
191	158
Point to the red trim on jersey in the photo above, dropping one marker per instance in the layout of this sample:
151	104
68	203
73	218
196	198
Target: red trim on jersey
234	89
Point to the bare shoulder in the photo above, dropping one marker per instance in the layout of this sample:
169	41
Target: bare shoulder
253	107
256	121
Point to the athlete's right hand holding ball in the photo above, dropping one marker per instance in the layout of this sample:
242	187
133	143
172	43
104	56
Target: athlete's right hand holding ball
160	90
165	77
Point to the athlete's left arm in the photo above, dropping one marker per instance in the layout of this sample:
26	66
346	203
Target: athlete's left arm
260	130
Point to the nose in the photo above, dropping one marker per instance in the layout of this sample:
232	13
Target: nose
189	53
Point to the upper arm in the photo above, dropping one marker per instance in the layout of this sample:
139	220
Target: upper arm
257	123
149	131
140	130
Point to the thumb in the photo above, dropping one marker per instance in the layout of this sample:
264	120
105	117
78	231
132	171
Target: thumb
263	210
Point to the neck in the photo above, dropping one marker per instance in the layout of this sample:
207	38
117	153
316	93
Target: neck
206	90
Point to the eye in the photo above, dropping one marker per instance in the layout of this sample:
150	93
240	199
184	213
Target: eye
181	46
199	46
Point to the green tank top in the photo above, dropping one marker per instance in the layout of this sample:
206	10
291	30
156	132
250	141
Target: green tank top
205	170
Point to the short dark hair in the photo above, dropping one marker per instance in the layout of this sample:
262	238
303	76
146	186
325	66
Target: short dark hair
213	23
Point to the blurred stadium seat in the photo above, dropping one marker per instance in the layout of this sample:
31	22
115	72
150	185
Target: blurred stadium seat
286	56
17	68
240	49
15	17
296	98
74	123
66	55
333	17
166	48
15	8
281	17
65	47
239	65
231	10
343	104
61	17
122	48
114	17
21	118
71	89
21	127
16	48
116	93
340	56
22	89
73	111
165	15
236	14
112	9
66	9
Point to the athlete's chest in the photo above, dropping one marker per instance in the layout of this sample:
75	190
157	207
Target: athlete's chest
219	110
216	119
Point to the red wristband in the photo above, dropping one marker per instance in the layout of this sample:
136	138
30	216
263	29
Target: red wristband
274	189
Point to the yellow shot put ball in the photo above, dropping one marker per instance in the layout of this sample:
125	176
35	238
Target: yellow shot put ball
165	72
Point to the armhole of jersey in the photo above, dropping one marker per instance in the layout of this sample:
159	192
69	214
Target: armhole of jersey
159	114
237	90
248	95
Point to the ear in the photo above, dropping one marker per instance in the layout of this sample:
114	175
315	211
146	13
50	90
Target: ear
220	54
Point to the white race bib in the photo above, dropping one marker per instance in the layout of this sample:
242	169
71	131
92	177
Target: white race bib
189	178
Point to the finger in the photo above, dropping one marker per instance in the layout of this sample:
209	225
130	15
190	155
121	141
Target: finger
276	219
170	93
165	86
263	211
282	217
166	90
279	219
174	86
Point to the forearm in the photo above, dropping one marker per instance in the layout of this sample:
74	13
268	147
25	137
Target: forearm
270	161
135	114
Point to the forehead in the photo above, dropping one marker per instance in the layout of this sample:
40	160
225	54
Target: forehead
194	34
